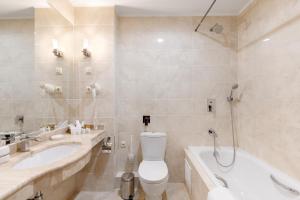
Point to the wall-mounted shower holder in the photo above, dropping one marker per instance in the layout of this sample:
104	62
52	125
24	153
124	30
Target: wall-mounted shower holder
107	145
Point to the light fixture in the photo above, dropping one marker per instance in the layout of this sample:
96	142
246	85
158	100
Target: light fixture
85	49
56	50
266	39
160	40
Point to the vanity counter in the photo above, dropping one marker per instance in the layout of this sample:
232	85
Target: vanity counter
20	183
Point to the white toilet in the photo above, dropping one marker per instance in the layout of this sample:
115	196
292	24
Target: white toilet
153	171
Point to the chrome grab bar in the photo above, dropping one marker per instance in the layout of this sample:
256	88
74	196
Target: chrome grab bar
222	180
277	182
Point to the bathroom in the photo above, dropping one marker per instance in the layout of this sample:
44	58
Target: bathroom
136	99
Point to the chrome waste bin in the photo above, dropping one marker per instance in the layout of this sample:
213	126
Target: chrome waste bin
127	186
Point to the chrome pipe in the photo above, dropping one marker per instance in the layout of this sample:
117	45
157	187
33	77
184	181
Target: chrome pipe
203	18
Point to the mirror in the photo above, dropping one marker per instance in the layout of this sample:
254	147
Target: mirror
36	66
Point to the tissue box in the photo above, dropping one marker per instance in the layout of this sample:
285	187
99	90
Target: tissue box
75	131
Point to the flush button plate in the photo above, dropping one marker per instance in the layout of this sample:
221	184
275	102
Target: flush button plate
146	120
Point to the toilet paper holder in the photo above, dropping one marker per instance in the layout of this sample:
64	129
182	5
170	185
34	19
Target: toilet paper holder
107	145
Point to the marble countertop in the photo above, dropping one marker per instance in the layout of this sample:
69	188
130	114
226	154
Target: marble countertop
13	180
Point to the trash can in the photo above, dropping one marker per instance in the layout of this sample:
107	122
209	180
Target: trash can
127	186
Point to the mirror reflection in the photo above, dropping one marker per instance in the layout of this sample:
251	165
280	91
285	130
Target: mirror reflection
34	70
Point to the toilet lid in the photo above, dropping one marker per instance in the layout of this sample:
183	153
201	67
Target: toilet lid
153	171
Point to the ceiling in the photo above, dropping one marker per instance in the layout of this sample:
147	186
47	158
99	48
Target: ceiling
24	8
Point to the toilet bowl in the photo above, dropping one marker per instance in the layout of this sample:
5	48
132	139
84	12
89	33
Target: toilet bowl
153	171
153	177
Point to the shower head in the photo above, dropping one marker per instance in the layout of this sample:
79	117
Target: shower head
217	28
234	87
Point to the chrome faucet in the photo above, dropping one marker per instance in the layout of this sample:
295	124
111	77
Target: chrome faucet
19	121
213	133
24	144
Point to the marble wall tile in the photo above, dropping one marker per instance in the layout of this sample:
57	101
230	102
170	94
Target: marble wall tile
166	70
49	25
17	85
268	73
97	25
257	21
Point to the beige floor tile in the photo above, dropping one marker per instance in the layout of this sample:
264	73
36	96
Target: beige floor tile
175	191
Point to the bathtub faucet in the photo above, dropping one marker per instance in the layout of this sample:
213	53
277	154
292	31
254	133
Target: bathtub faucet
212	133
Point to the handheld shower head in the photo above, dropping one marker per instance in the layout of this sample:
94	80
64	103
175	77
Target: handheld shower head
234	87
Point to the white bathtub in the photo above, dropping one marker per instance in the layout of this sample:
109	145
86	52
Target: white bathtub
249	178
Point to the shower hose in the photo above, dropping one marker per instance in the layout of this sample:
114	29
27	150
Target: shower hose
233	143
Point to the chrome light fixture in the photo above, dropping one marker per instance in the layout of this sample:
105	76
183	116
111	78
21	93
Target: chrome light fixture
85	49
56	51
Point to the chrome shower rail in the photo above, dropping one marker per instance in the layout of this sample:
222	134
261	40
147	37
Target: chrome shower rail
277	182
203	18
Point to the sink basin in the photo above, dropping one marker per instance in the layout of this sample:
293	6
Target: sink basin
47	156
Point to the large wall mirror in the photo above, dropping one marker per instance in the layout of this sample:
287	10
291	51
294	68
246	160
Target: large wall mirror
36	66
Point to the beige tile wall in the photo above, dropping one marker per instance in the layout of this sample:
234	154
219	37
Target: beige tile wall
51	25
17	73
97	25
172	80
269	76
263	17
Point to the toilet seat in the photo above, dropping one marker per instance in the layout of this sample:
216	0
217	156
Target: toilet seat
153	172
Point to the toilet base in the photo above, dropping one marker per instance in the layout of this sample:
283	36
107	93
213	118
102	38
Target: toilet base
153	197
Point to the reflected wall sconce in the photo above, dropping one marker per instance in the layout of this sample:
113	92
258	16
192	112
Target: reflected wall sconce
56	51
85	49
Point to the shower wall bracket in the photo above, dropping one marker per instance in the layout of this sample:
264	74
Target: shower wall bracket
205	15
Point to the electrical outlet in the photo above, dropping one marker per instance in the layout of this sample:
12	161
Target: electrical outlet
59	71
123	144
88	70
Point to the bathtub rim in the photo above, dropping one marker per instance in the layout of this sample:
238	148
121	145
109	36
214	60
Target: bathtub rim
193	151
202	170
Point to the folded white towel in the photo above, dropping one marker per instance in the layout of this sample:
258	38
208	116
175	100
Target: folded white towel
220	193
57	137
4	159
4	151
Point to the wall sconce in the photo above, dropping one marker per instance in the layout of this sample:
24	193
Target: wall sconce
85	49
56	50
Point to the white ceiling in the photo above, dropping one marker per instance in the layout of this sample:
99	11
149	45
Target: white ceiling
23	8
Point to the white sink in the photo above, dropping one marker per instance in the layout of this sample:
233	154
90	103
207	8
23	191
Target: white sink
47	156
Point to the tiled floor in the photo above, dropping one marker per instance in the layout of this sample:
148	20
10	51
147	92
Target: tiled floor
175	191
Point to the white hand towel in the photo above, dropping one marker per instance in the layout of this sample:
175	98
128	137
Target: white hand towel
220	193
